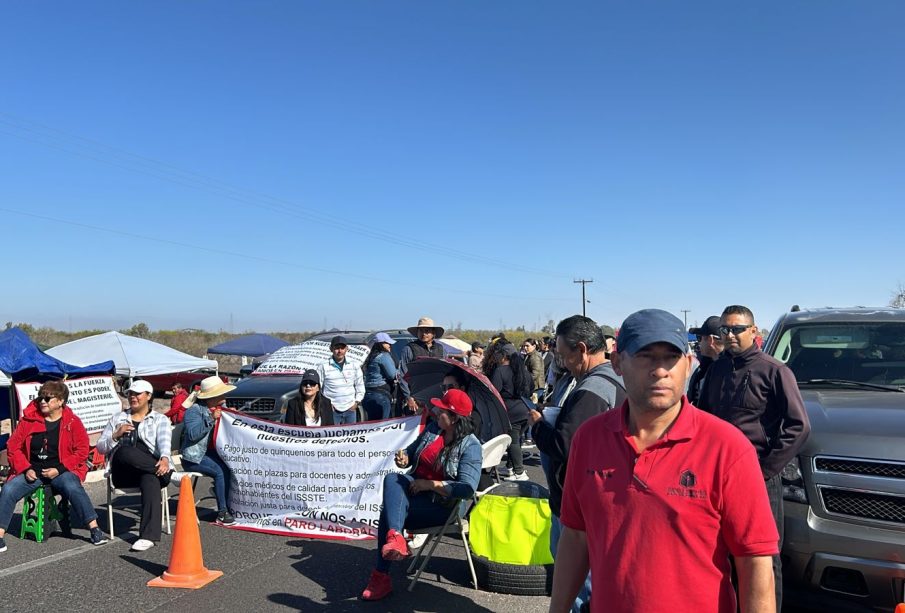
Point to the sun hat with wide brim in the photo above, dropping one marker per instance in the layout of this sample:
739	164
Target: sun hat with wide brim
427	322
213	387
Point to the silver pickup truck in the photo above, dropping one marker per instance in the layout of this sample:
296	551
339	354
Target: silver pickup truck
845	494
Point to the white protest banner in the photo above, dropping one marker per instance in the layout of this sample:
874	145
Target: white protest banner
315	482
295	359
92	399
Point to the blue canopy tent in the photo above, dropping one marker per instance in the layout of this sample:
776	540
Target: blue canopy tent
21	360
252	345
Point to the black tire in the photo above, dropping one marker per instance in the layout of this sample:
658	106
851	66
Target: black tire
520	580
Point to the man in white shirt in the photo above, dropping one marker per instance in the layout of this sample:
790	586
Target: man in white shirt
343	383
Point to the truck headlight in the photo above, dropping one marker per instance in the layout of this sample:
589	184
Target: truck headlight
793	483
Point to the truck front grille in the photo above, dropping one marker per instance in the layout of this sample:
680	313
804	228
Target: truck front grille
860	467
252	406
864	505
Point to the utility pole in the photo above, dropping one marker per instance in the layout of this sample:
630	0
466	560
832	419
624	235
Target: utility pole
583	300
685	313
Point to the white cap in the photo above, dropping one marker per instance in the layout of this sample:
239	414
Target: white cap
140	386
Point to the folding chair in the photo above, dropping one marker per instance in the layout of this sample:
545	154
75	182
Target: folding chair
457	522
131	491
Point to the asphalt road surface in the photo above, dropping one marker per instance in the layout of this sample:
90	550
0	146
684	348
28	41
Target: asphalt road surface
261	572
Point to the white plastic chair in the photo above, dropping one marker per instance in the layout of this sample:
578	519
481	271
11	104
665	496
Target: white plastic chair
113	491
492	453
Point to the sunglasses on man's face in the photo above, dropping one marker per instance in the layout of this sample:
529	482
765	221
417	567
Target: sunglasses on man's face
735	330
448	386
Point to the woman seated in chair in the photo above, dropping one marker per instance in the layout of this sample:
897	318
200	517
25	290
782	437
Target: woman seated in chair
447	464
198	451
49	447
136	442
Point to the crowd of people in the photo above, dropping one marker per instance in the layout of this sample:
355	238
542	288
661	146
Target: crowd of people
663	467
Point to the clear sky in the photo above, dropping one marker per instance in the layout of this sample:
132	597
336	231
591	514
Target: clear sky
290	165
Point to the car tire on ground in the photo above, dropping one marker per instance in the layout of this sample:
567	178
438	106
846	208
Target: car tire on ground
529	580
516	579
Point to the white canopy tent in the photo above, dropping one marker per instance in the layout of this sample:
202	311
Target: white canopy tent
134	357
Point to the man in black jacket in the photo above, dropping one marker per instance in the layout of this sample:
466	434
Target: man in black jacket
710	345
758	394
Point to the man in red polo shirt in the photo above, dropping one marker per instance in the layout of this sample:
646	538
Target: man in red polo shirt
658	494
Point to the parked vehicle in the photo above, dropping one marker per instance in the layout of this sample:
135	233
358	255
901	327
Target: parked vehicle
845	493
266	392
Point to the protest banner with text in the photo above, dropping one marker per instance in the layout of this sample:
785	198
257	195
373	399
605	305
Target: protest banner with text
322	482
92	399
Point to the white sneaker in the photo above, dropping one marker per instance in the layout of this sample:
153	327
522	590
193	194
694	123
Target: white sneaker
177	476
142	545
417	541
517	477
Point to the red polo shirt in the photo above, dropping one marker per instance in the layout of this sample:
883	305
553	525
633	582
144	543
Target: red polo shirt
661	524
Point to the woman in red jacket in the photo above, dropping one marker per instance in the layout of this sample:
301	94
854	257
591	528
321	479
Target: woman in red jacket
49	447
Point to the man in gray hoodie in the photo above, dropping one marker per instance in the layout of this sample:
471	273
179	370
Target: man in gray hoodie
580	345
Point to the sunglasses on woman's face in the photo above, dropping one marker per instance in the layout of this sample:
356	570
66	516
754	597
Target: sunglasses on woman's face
44	398
309	384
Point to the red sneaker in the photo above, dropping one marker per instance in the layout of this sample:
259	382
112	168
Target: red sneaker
396	548
379	586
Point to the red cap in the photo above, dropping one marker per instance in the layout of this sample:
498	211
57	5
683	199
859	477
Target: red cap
456	401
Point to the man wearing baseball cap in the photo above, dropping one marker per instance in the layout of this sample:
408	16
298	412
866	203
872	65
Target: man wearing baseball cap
659	494
710	345
342	382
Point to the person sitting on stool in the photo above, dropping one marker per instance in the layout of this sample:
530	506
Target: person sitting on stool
49	447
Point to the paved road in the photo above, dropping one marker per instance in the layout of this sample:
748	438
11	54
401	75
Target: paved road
262	573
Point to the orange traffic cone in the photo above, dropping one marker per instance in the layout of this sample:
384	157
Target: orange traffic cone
186	563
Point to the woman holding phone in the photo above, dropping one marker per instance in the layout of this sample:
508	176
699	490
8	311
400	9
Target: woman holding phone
446	461
137	443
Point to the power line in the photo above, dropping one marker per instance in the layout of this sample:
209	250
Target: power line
97	151
258	258
685	313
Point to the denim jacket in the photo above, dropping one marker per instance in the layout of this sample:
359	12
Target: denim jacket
198	426
462	466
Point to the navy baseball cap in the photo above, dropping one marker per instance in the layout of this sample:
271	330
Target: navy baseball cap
338	341
649	326
311	375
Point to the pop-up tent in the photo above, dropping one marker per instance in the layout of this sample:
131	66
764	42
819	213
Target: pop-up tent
252	345
134	357
21	360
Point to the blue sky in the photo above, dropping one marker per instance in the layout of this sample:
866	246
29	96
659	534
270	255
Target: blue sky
286	165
